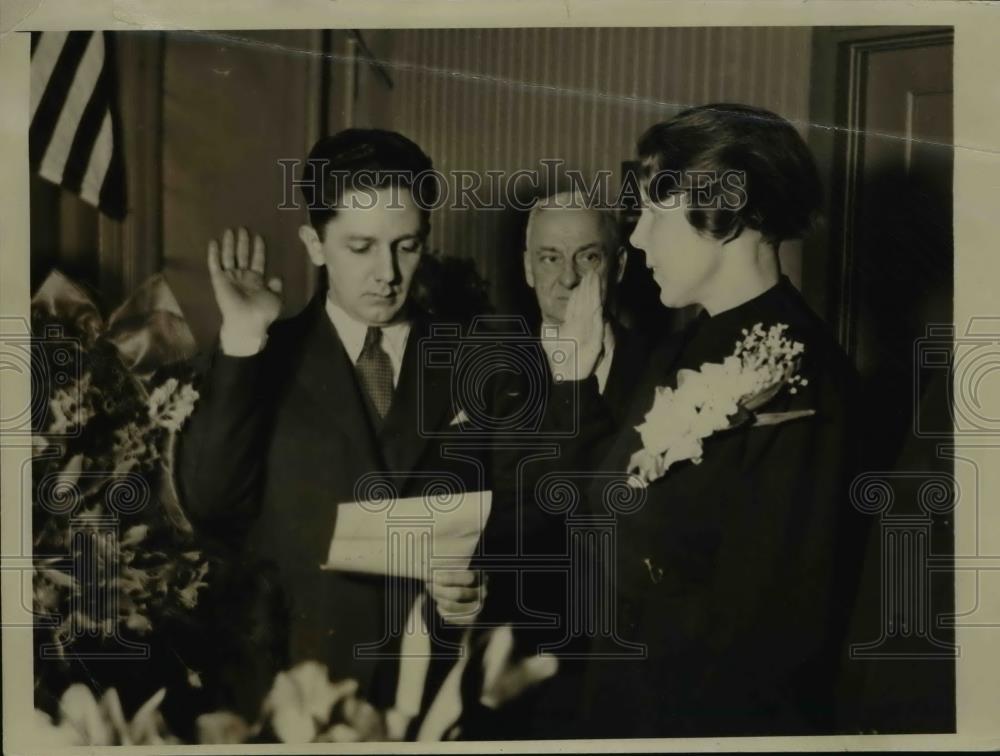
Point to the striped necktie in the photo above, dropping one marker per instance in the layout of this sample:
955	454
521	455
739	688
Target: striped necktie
375	371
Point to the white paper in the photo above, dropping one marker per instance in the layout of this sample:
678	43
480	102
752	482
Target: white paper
404	538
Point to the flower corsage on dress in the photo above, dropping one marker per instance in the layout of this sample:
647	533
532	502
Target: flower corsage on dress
717	397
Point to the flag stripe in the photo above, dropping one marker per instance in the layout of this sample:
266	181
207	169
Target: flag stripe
43	62
87	73
100	163
91	122
47	114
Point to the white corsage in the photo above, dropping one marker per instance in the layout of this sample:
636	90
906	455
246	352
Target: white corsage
717	397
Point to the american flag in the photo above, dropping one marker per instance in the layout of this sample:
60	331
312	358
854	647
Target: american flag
75	140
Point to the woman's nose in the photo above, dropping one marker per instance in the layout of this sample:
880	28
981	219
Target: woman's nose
637	237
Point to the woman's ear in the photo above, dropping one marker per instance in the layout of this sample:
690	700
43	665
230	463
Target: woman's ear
314	247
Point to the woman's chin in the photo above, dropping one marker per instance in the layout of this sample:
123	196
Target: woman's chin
668	298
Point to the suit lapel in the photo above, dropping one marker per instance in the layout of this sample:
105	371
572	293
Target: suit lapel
418	405
327	375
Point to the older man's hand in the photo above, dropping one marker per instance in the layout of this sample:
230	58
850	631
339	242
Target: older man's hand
575	354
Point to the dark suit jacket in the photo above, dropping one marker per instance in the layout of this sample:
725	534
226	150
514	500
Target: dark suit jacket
531	590
514	474
276	442
737	574
628	363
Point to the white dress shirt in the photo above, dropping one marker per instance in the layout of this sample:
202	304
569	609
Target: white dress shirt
352	336
351	333
603	367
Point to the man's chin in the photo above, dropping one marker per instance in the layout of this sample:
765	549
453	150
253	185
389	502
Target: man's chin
382	314
555	316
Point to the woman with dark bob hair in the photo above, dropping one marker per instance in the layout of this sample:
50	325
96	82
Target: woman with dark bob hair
735	570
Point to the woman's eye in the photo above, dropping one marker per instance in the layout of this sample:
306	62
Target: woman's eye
412	246
359	248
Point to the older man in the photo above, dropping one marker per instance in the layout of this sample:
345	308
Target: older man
564	240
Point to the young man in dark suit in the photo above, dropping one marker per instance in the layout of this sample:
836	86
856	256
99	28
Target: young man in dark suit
299	415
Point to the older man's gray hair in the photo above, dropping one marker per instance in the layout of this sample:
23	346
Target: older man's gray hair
573	201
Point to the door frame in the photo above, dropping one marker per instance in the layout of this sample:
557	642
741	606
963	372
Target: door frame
836	110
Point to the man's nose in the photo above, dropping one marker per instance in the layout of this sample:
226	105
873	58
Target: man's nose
570	275
385	265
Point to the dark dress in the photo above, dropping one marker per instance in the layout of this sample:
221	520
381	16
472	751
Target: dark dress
737	574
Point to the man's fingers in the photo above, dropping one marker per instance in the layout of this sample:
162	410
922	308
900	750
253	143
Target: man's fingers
457	614
584	300
457	593
242	249
594	292
228	251
275	285
573	305
455	577
259	257
446	606
214	266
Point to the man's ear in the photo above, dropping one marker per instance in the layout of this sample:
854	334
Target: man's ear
529	274
314	247
620	267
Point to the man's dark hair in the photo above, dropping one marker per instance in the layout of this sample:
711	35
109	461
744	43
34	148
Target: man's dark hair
364	159
713	154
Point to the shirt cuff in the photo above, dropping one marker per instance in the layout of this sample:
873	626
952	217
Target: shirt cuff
240	344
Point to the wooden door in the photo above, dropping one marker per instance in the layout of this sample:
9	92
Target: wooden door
882	275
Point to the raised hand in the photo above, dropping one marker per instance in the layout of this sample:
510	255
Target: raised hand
581	336
248	302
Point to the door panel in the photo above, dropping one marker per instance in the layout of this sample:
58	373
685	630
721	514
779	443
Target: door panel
884	275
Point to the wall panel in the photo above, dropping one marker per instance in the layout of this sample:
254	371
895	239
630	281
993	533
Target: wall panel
482	99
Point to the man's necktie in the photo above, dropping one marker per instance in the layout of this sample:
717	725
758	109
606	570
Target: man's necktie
375	371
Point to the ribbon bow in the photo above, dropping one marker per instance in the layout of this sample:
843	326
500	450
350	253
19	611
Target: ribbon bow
148	328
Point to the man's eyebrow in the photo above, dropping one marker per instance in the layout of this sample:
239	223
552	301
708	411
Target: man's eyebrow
591	245
360	237
548	249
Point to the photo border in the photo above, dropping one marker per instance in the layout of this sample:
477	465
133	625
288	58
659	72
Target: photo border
976	230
